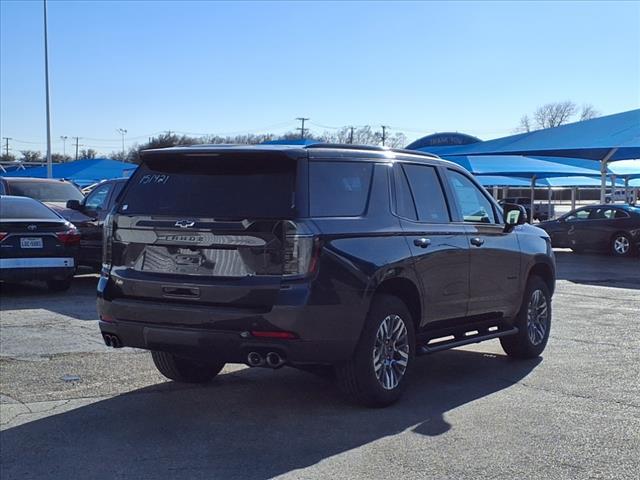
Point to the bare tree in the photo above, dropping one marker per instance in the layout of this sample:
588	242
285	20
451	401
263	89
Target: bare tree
7	157
60	158
588	112
554	114
30	156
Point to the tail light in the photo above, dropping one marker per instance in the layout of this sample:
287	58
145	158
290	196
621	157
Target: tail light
301	251
107	243
69	237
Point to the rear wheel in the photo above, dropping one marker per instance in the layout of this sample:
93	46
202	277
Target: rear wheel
533	322
183	369
377	373
621	245
57	285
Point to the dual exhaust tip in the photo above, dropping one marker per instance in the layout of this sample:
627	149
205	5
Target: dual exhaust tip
111	340
271	360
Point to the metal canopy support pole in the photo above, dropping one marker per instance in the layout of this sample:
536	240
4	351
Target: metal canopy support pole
573	197
549	203
603	173
495	192
626	190
533	197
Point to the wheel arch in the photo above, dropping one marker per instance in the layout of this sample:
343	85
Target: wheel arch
545	271
407	291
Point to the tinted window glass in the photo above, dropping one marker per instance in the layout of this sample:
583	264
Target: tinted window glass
24	208
97	200
404	201
577	215
235	187
339	189
46	191
620	214
427	192
473	204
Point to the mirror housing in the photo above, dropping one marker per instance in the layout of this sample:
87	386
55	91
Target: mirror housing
513	215
74	204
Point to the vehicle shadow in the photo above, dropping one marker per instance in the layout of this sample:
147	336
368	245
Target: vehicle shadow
598	269
250	424
77	302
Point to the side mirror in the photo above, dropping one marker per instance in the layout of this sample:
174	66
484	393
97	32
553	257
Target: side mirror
513	215
74	204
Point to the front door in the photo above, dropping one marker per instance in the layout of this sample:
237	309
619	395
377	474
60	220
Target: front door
439	247
494	255
95	208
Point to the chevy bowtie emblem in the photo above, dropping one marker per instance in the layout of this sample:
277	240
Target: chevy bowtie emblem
32	227
185	223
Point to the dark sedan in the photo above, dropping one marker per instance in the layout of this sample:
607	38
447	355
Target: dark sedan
36	243
612	228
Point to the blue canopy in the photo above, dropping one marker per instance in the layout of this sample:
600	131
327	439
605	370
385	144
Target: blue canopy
590	139
518	182
518	166
81	172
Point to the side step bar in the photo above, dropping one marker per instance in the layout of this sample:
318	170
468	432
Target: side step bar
446	345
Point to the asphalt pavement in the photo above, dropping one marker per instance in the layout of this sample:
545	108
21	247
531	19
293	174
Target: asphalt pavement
71	408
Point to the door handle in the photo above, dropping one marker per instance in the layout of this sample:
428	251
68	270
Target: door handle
422	242
477	241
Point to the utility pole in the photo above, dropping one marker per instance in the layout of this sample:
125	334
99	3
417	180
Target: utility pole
351	135
302	129
46	81
123	132
64	144
384	133
6	145
77	145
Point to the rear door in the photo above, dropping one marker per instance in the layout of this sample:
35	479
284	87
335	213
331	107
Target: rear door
207	230
439	247
494	255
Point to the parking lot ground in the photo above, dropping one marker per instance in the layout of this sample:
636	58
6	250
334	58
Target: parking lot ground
70	408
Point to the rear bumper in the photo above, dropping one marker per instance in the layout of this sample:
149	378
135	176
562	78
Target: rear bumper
45	268
227	346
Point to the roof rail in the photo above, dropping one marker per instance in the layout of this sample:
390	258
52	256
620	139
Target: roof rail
375	148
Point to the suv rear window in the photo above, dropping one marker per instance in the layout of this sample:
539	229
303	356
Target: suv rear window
339	189
206	186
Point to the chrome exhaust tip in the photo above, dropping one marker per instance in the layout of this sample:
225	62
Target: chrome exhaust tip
254	359
274	360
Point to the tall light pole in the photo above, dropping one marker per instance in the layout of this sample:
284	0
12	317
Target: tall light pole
123	132
46	81
64	144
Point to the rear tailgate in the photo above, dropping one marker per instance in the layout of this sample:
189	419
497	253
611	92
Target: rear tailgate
205	230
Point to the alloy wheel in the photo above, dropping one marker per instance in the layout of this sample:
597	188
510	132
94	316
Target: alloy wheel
391	352
621	245
537	317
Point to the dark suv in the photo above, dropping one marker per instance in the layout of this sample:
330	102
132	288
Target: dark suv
355	258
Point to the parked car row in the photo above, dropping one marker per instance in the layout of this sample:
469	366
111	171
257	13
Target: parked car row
541	211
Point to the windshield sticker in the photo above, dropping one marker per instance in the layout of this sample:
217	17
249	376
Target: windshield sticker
154	179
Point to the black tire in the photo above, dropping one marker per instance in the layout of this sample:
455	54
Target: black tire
357	377
62	285
185	370
621	245
521	345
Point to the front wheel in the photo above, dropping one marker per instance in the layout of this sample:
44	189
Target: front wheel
533	322
183	369
377	373
621	245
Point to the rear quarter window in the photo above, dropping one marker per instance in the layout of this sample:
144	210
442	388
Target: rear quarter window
339	189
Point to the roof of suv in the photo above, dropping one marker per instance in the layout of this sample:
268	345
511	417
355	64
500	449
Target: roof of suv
318	150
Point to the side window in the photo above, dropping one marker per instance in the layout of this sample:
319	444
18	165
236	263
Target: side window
427	193
404	201
473	204
339	189
97	199
578	215
620	214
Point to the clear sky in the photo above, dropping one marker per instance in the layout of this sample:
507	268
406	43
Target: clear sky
226	68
